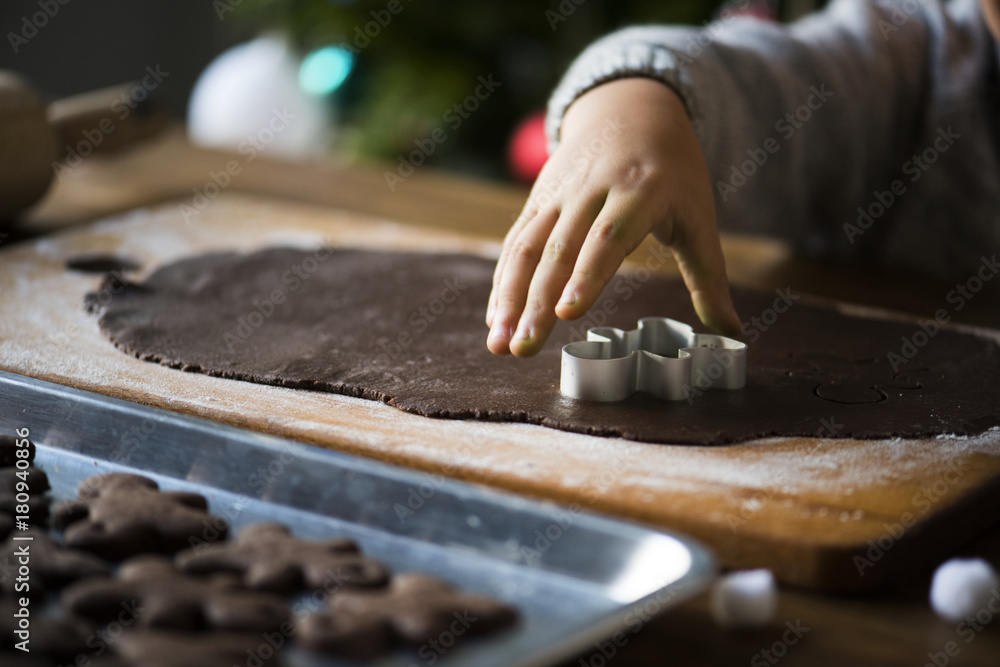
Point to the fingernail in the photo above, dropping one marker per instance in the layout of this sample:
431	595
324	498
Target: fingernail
498	337
567	299
523	335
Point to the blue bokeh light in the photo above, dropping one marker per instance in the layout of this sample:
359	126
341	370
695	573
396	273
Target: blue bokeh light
325	70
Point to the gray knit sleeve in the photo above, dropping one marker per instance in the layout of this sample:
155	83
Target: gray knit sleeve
817	131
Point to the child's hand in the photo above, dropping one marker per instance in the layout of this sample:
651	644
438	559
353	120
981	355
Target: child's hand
628	164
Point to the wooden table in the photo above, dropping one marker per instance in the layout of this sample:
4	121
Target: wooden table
889	629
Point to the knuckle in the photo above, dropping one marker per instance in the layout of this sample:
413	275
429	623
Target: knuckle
583	173
508	303
538	302
533	306
545	192
584	276
522	251
637	174
557	252
610	231
530	212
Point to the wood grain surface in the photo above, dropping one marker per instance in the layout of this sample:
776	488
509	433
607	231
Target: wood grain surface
839	515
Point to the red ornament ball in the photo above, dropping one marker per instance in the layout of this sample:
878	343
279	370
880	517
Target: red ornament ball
528	149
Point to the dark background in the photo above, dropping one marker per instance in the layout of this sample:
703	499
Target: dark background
89	45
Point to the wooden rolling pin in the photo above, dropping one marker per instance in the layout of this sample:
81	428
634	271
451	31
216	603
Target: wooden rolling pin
38	141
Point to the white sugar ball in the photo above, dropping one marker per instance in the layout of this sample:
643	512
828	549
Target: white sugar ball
745	599
963	586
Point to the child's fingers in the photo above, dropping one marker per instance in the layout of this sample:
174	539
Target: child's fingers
553	271
616	232
702	265
523	253
529	213
539	201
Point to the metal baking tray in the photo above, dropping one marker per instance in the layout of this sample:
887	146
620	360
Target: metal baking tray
576	578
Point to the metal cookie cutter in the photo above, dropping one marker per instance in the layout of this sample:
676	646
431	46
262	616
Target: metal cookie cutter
663	357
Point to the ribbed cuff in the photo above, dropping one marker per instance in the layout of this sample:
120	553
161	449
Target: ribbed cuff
626	53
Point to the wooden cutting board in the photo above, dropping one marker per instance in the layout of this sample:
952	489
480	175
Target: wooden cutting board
837	515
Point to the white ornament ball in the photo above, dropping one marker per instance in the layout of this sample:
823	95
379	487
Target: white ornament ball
249	99
746	599
963	586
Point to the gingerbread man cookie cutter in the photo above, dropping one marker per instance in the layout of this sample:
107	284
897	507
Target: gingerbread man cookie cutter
662	357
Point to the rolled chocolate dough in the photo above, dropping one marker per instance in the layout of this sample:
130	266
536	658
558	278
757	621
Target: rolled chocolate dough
408	329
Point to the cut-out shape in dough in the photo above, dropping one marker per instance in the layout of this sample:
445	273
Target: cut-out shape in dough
854	382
